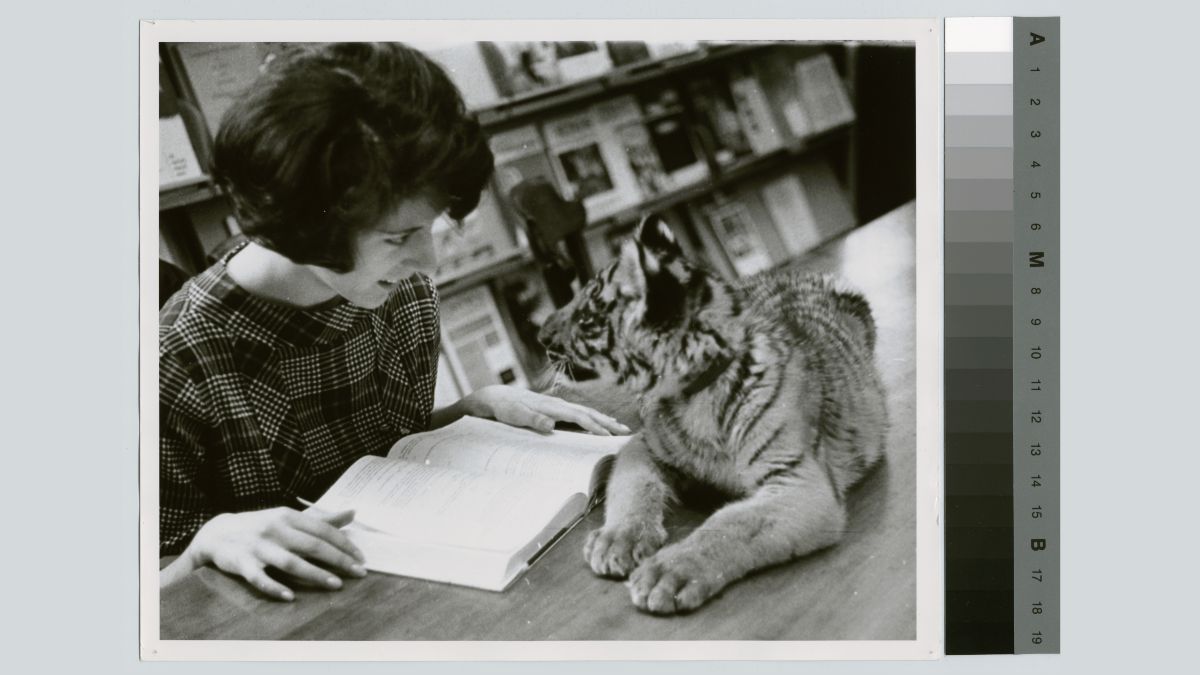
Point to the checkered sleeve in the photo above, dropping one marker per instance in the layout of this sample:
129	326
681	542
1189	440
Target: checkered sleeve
183	505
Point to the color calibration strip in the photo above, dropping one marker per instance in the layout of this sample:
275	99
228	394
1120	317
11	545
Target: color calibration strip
979	335
1001	321
1036	335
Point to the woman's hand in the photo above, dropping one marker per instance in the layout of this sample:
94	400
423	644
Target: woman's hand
245	544
524	408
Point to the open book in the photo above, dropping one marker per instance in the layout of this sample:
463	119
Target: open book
472	503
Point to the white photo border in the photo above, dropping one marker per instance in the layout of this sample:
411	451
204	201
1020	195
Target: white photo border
926	34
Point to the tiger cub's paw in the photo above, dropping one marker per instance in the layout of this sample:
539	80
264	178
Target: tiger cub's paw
616	551
674	581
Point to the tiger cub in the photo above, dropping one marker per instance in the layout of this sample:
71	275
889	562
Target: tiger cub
765	389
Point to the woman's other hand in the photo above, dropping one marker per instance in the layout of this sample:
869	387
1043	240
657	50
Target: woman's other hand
524	408
245	544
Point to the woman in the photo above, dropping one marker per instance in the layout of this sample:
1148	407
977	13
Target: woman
317	341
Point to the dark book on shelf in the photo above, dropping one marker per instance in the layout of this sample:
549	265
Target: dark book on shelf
716	113
673	140
624	53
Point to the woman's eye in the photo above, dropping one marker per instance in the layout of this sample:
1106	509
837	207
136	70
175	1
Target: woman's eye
398	240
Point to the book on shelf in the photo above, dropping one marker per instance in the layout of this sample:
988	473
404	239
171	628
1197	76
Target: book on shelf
774	72
642	155
476	341
589	160
474	503
177	162
824	94
717	116
764	127
727	227
523	67
474	67
581	60
827	200
625	53
666	50
666	121
481	239
220	71
787	201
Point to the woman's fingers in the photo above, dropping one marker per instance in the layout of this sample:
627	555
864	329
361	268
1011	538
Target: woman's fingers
325	525
592	420
335	518
523	415
251	569
287	561
318	549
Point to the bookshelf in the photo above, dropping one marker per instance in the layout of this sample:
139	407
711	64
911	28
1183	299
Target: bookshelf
529	107
194	215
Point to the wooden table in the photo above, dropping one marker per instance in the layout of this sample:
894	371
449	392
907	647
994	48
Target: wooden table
862	589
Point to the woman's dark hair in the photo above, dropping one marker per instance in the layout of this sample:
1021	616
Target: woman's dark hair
332	137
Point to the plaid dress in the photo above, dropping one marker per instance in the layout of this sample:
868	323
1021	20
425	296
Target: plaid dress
260	403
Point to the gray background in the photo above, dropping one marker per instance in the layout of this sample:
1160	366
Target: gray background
70	349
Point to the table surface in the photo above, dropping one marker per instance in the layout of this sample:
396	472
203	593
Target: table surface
862	589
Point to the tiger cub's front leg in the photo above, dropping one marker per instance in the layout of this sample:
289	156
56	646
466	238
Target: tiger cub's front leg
635	501
786	517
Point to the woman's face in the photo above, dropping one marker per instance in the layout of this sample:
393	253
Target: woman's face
387	254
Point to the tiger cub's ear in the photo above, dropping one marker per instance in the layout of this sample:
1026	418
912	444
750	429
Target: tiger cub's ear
654	236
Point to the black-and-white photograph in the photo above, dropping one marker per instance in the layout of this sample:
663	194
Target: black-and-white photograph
538	341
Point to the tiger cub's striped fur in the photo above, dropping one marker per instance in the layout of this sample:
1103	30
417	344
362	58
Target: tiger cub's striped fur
765	389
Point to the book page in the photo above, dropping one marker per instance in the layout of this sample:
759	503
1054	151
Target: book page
486	447
444	506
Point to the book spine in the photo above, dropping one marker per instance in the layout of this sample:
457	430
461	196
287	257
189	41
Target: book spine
775	73
177	162
827	200
788	205
718	119
762	129
823	92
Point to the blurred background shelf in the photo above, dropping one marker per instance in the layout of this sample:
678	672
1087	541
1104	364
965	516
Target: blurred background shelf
528	107
186	195
753	152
